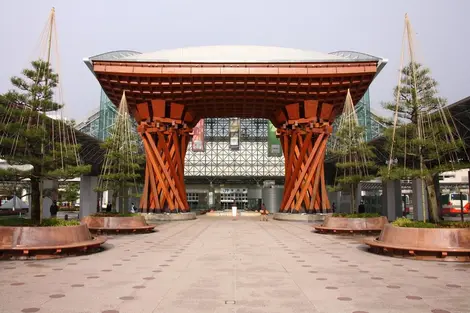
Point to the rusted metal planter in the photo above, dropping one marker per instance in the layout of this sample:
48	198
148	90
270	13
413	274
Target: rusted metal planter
47	242
309	218
342	225
117	224
443	244
168	217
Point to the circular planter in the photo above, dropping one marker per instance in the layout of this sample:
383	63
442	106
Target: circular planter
352	225
444	244
47	242
299	217
117	224
168	217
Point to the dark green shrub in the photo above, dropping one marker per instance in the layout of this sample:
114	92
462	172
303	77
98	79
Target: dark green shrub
404	222
356	215
51	222
114	214
71	209
57	222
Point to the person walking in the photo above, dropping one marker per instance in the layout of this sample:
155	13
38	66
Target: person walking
54	209
264	213
361	208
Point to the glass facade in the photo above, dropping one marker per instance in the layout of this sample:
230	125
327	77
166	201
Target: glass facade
368	120
108	114
363	114
221	159
91	126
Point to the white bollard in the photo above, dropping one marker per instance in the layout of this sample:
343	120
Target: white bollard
234	211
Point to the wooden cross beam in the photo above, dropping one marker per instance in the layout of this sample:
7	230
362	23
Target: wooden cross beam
304	146
165	148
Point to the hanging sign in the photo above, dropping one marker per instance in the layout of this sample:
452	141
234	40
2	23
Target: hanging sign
234	133
274	145
198	137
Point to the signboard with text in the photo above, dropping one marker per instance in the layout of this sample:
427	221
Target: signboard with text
234	133
274	145
198	137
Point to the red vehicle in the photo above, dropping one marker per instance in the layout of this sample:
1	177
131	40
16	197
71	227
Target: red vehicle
451	204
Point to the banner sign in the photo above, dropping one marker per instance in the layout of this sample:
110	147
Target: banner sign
234	133
198	137
274	145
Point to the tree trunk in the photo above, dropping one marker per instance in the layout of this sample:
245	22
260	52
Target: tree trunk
114	202
353	198
123	199
432	199
35	205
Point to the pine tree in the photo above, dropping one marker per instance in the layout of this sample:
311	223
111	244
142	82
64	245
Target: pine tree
354	156
123	159
70	193
424	140
28	136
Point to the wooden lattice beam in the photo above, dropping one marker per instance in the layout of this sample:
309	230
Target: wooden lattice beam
304	146
165	138
164	188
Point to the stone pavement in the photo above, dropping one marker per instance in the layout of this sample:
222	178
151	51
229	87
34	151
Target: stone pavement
219	265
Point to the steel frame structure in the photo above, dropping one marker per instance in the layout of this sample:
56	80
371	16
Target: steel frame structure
250	160
91	125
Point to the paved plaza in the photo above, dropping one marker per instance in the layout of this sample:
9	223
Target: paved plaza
220	265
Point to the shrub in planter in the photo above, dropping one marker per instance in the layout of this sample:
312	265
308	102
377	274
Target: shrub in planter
51	222
71	209
404	222
114	214
356	215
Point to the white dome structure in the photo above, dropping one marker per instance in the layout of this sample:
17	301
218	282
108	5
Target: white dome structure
235	54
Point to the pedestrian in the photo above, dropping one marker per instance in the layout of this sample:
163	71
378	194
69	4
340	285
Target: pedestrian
361	208
54	209
264	213
109	207
333	207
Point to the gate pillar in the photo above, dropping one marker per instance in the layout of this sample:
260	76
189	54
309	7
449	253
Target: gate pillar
304	135
165	137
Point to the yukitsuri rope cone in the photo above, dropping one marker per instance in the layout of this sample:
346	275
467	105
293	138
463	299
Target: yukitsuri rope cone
119	172
35	136
423	142
354	163
354	156
119	175
33	130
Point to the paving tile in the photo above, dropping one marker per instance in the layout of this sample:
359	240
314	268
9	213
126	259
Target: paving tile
224	266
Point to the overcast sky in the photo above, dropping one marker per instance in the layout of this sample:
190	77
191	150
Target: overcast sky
86	28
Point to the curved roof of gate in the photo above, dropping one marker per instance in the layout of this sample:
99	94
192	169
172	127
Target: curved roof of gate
235	54
228	81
